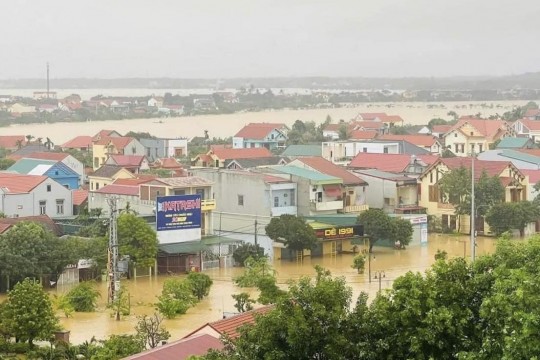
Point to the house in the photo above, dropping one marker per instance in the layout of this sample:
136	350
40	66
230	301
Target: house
392	120
105	133
317	193
48	108
521	158
294	151
183	349
255	162
169	164
344	150
80	201
165	148
527	127
204	103
43	220
472	135
81	143
134	163
332	131
31	195
230	326
127	191
370	116
121	145
106	175
19	108
394	193
64	158
53	169
428	142
337	131
246	198
29	148
440	130
353	189
12	142
515	143
363	135
256	135
532	114
424	130
156	101
218	155
412	165
436	204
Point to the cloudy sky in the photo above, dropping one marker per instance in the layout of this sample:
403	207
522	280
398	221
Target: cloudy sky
259	38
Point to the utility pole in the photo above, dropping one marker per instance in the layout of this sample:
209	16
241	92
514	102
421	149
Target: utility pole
256	232
379	275
473	212
112	266
47	79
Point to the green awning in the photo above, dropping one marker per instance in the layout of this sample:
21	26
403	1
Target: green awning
189	247
215	240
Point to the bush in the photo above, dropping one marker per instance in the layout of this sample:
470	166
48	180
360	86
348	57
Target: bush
247	250
176	298
83	297
200	284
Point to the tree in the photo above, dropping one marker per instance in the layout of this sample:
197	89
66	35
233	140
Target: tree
118	347
137	240
151	331
437	121
453	114
6	163
243	302
176	298
247	250
377	225
49	144
200	284
83	297
505	217
29	138
28	312
359	262
343	132
293	231
61	302
258	273
402	231
121	304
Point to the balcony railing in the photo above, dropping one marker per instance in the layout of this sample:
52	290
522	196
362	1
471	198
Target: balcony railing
355	208
208	204
326	205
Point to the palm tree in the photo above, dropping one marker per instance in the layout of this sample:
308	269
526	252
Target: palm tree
39	140
29	138
19	144
206	136
49	144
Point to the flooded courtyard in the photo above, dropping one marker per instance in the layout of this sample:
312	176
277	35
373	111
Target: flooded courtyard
144	290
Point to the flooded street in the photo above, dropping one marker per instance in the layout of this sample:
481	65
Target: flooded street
143	291
415	113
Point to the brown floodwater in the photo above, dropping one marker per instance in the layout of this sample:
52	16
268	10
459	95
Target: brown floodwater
415	113
144	290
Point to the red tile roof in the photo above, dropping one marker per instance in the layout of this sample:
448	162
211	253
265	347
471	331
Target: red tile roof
79	197
249	153
128	160
335	127
358	125
44	220
441	129
167	163
418	140
327	167
119	189
531	124
258	131
119	142
396	163
231	325
10	141
362	135
488	128
101	134
532	112
534	175
391	119
134	182
78	142
56	156
370	116
181	349
18	183
492	168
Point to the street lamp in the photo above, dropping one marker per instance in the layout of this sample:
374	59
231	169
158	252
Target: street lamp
379	275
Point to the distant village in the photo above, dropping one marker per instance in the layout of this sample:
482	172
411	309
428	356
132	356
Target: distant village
265	170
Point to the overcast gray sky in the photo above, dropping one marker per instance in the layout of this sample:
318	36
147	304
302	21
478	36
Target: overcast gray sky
252	38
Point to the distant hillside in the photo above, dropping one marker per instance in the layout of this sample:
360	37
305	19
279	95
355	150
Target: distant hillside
524	81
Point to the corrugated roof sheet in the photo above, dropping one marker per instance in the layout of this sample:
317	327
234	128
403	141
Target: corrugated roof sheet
308	174
329	168
25	166
302	150
388	162
513	142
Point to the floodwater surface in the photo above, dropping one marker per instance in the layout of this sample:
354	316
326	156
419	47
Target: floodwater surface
144	290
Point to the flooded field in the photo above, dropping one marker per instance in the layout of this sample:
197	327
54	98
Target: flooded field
415	113
143	291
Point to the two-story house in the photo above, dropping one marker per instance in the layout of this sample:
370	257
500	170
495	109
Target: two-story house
527	127
53	169
134	163
436	204
122	145
404	164
165	148
256	135
219	156
81	143
428	142
31	195
471	135
354	187
106	175
64	158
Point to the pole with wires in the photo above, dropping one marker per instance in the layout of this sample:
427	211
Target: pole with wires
114	277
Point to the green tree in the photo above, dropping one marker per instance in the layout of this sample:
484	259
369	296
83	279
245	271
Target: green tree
61	302
402	231
359	262
137	240
200	284
343	132
258	273
176	298
118	347
377	225
437	121
6	163
28	313
243	302
151	331
247	250
83	297
505	217
293	231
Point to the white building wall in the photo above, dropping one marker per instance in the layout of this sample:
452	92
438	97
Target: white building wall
238	143
76	166
142	207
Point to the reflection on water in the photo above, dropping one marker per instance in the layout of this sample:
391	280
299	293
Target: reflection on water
143	291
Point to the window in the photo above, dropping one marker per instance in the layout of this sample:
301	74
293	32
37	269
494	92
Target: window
179	192
456	148
96	162
91	186
276	201
200	192
42	207
463	148
431	177
66	186
60	207
480	148
97	186
433	193
48	188
241	200
385	150
455	135
364	149
293	198
472	134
